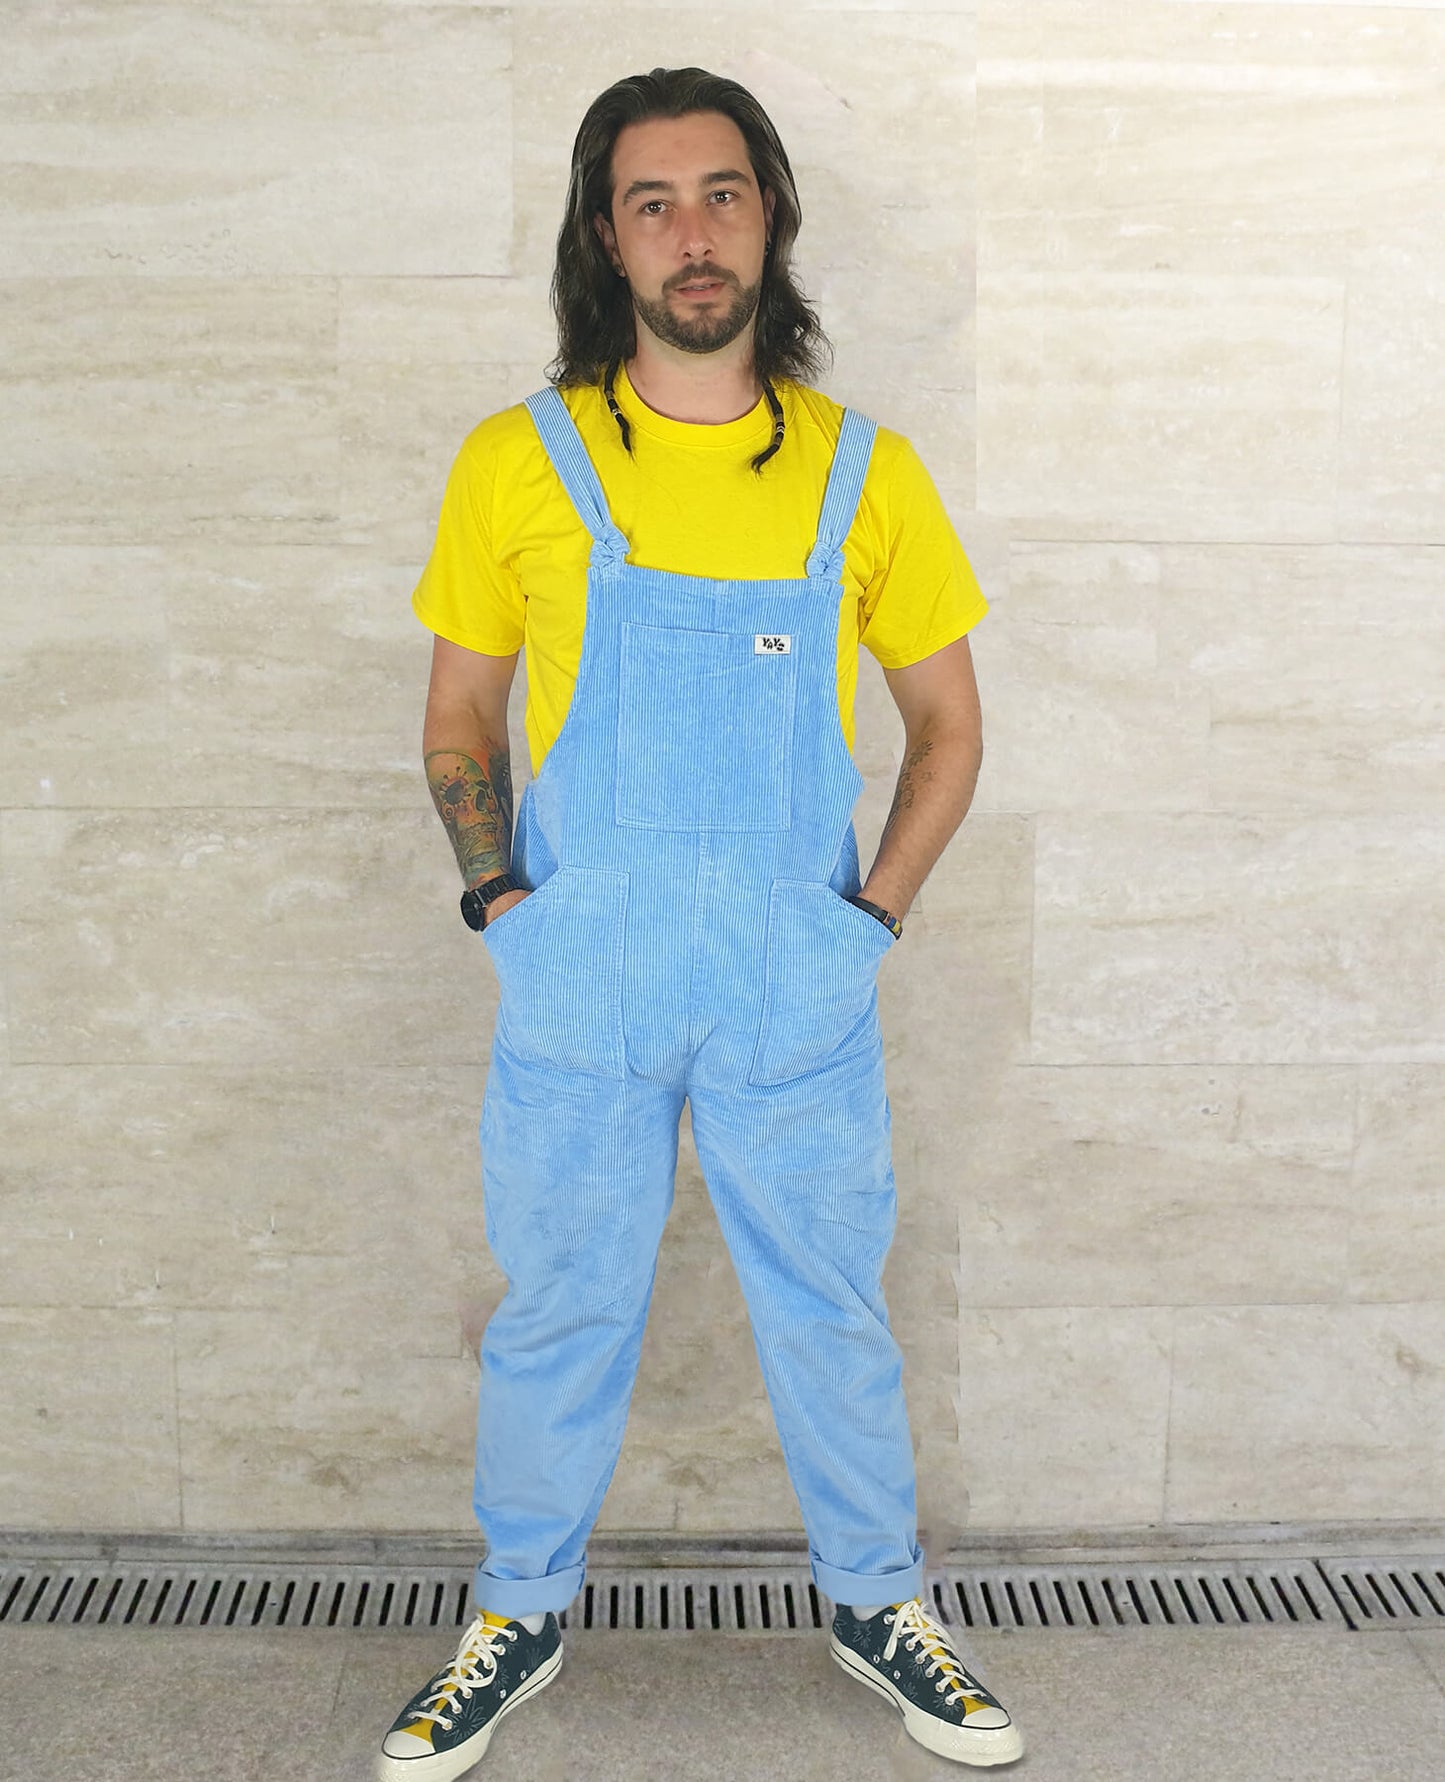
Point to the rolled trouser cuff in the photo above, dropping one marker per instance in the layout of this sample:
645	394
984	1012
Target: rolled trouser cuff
869	1587
526	1596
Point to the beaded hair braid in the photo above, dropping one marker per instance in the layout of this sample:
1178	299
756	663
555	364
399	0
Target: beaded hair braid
779	425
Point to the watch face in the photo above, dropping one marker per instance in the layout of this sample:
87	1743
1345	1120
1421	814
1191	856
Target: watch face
473	910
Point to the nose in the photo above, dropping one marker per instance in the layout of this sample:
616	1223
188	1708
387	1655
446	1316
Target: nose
695	232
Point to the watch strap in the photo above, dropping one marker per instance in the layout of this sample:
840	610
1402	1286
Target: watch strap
475	900
889	921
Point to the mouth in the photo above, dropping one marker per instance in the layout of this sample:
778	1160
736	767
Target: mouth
701	288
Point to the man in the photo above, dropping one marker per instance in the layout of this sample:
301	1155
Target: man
690	540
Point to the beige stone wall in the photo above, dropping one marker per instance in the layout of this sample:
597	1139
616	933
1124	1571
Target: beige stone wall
1157	291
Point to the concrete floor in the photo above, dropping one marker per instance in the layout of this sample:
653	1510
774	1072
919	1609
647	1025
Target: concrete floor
220	1705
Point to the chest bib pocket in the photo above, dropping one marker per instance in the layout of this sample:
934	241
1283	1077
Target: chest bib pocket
821	997
558	959
704	730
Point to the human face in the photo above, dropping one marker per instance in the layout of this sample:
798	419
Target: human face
689	228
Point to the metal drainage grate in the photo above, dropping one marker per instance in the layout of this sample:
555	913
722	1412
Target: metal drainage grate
1378	1593
1359	1593
261	1595
1222	1594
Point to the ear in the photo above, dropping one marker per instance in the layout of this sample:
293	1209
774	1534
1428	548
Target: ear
769	202
606	236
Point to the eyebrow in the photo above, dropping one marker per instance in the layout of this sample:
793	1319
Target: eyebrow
666	185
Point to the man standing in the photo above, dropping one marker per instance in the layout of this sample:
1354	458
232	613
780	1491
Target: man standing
691	541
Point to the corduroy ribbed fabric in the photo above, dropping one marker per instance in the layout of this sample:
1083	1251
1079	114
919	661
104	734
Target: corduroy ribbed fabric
689	849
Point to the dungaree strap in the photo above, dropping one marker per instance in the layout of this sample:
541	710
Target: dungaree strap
845	490
564	447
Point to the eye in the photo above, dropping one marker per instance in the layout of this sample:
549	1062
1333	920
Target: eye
724	194
648	206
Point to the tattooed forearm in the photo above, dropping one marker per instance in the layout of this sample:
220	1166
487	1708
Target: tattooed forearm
934	790
475	804
912	777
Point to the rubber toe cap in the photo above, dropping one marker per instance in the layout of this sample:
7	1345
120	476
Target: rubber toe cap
406	1744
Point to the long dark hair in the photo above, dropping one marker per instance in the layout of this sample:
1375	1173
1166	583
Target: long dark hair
596	329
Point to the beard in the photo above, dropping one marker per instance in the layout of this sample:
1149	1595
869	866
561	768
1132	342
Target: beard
705	332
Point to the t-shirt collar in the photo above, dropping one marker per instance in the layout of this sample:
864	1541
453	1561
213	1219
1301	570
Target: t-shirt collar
754	428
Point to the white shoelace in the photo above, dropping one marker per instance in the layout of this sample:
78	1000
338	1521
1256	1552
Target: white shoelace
918	1629
474	1666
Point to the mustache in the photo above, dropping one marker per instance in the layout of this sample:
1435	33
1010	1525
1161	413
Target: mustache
695	275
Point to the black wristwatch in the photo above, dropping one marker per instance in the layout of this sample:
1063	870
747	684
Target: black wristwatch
475	901
890	922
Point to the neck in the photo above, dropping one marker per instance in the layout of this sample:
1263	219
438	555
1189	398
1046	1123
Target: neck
709	388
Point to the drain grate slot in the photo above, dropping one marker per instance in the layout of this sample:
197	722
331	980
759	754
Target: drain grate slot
773	1600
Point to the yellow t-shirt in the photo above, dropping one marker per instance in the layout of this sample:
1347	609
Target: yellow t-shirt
509	566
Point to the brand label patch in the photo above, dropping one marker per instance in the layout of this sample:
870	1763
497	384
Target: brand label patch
764	645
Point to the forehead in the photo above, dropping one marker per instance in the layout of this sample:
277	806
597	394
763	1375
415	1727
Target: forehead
683	150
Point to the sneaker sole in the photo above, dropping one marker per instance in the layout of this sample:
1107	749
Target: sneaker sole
984	1745
444	1766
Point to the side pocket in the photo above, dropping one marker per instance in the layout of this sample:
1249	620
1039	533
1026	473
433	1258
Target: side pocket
821	997
558	959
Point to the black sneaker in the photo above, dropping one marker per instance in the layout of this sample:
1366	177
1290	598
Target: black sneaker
905	1655
446	1727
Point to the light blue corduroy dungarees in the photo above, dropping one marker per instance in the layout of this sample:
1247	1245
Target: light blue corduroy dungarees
689	848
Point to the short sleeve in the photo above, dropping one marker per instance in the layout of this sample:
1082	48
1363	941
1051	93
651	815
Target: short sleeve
465	594
924	593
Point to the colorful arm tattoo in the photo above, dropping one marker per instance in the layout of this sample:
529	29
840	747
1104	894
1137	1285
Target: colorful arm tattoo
475	804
